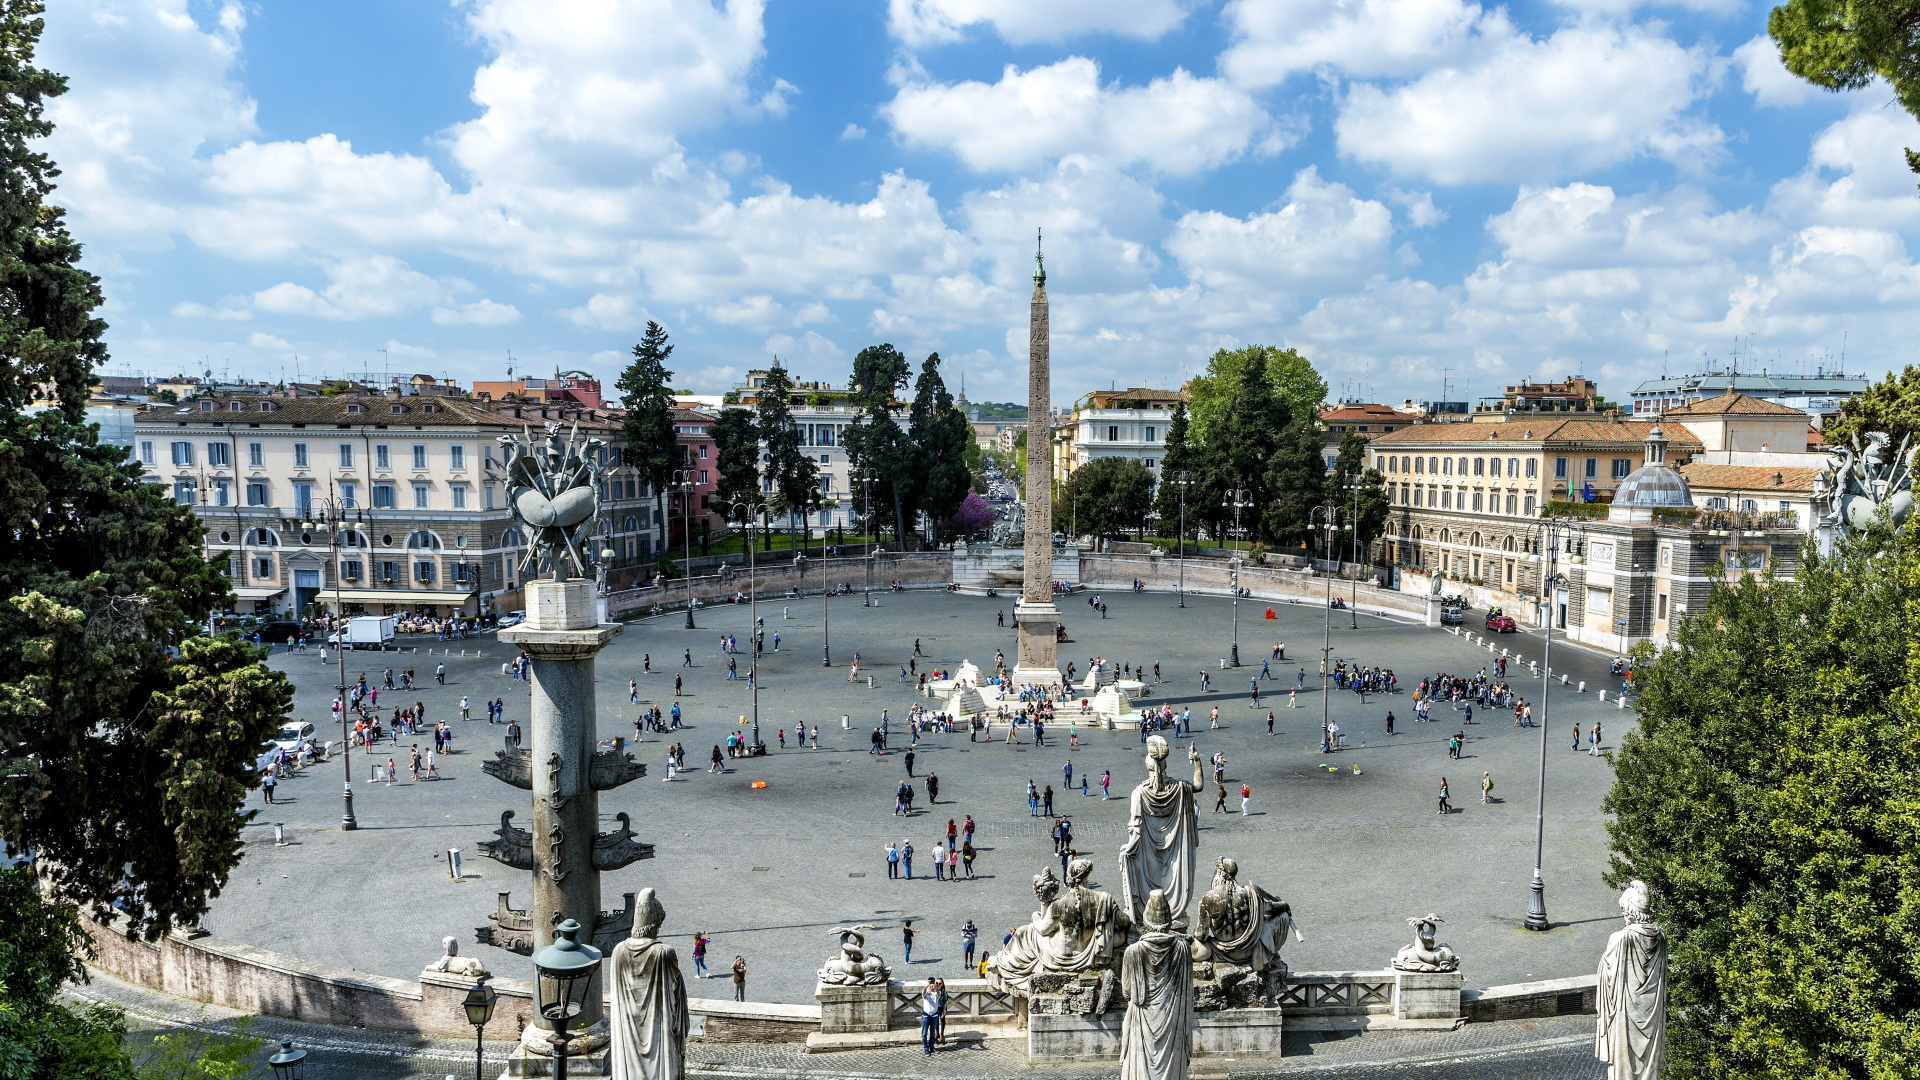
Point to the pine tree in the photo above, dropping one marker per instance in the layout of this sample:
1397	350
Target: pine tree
1350	472
876	446
940	436
1178	460
646	392
1296	481
127	768
736	446
794	474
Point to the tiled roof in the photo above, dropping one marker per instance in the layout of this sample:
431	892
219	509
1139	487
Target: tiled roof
1370	413
1735	404
1533	432
370	409
1749	478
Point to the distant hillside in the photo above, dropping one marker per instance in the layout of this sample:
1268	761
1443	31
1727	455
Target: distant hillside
994	410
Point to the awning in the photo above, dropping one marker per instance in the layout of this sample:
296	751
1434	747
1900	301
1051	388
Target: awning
261	592
395	596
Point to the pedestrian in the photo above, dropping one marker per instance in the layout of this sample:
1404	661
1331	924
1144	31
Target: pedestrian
1593	740
1106	781
676	686
933	1004
933	788
906	858
633	691
1220	800
969	935
1066	774
909	762
1246	799
907	934
1576	736
1033	800
267	783
739	979
686	660
939	861
1293	698
1486	787
700	940
893	860
465	714
1046	799
716	761
966	856
953	862
1445	806
1269	723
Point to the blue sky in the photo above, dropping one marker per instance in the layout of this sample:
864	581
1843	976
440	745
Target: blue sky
1405	190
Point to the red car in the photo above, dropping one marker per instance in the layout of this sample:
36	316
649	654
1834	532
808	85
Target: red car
1501	624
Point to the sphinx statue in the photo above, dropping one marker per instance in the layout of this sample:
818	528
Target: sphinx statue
855	966
1424	954
1242	925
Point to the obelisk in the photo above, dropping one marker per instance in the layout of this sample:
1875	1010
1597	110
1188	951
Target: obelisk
1038	616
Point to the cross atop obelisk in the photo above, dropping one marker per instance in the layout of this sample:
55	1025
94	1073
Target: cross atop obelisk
1038	616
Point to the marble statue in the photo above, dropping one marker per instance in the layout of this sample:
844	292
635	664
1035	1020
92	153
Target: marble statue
1864	478
1156	975
452	963
649	1001
1423	954
1090	926
1243	925
1024	954
1163	836
855	966
553	488
1632	996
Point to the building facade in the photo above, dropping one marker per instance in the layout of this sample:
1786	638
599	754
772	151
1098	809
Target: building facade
429	530
1819	395
1128	424
700	459
823	414
1362	418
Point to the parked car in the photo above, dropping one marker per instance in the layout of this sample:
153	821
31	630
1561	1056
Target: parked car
291	733
1501	624
1450	615
512	618
274	633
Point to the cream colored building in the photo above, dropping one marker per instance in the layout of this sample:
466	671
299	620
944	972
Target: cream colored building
1115	423
430	531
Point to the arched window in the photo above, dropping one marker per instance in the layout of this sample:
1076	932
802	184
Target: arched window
633	524
262	538
422	540
1446	536
510	538
1475	542
1509	544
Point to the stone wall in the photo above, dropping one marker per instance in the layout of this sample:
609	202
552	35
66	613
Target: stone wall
754	1021
1212	577
1526	1001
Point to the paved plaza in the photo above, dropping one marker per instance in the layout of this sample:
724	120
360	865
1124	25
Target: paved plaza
767	872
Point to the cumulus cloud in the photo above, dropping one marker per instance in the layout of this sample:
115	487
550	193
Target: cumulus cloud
478	313
1588	97
1767	79
919	23
380	285
1322	236
1873	185
1273	39
1179	124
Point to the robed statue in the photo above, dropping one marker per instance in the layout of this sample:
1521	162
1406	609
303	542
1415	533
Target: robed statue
649	1019
1632	995
1156	975
1240	924
1163	836
1025	953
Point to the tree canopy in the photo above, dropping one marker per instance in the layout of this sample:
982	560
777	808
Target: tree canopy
879	451
941	469
1288	376
646	392
794	474
1767	797
736	449
1891	405
1846	44
1107	497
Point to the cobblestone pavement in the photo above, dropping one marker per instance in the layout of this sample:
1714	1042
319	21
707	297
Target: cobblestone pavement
1351	839
1554	1049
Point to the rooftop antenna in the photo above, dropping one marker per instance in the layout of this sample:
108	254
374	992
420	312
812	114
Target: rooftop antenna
1843	355
509	365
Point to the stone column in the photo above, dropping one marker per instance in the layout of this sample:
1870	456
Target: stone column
563	634
1036	660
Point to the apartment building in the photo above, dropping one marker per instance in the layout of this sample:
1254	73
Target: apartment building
823	414
1818	396
1366	419
429	531
1129	423
699	457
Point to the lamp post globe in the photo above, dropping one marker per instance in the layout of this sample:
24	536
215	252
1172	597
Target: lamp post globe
288	1063
564	971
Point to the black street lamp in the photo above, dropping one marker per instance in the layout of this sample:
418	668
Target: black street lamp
1240	499
1184	483
684	486
749	510
1329	516
333	518
1547	539
479	1005
564	971
287	1064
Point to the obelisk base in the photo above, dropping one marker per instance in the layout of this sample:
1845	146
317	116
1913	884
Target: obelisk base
1038	648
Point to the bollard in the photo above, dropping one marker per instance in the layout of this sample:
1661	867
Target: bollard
1620	701
1533	667
1603	693
1563	679
846	722
869	682
453	865
279	834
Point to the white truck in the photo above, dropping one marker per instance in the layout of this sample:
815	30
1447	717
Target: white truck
369	632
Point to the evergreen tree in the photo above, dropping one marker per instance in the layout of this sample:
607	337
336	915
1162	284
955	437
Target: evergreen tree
940	436
1891	405
1179	458
1238	452
646	392
1766	796
1107	497
1350	471
794	474
127	768
1296	481
736	450
1288	375
876	445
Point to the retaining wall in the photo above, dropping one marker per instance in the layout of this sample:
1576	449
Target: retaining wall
776	576
1213	577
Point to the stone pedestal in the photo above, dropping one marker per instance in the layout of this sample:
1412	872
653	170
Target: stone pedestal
853	1009
1238	1033
1053	1039
1036	658
1426	995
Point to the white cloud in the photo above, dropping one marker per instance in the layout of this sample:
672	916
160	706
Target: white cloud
763	312
919	23
478	313
1875	188
605	312
1767	79
1179	124
229	309
363	288
1421	212
851	132
269	342
1324	235
1363	38
774	101
1586	98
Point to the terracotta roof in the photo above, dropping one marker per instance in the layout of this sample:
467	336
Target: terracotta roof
369	409
1758	478
1532	431
1382	413
1734	403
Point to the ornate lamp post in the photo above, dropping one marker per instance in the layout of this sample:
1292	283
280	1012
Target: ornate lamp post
1353	521
1239	499
1329	520
1183	482
749	511
1545	539
333	520
683	485
564	971
288	1063
866	478
479	1005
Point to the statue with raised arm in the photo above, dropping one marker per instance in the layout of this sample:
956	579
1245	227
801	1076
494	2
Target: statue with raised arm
1163	836
1631	999
649	1021
1243	925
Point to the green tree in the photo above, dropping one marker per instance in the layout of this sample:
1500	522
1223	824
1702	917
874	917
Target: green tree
1238	453
41	948
1179	458
736	451
1891	405
940	436
1296	482
1288	375
646	392
1845	44
876	445
1107	497
1350	472
126	768
1766	796
794	474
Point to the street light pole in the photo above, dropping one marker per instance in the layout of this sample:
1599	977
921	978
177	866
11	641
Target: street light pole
1240	498
1182	540
750	511
1549	581
826	627
334	517
1327	514
1353	523
686	489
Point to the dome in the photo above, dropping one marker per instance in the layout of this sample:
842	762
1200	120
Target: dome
1655	484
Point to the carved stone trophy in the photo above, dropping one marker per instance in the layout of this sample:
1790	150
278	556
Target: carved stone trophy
552	486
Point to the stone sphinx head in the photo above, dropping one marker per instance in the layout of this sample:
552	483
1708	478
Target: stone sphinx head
1636	901
647	914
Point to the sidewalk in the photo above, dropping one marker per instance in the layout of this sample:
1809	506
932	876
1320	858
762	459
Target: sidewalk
1555	1047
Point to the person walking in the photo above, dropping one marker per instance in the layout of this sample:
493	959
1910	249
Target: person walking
440	674
267	783
1269	723
1576	736
1066	775
1486	787
1445	806
909	760
1246	800
966	856
906	858
1220	800
465	712
933	1006
1106	782
739	978
1046	800
893	861
633	691
907	934
939	861
969	935
1033	800
1593	740
933	788
700	940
